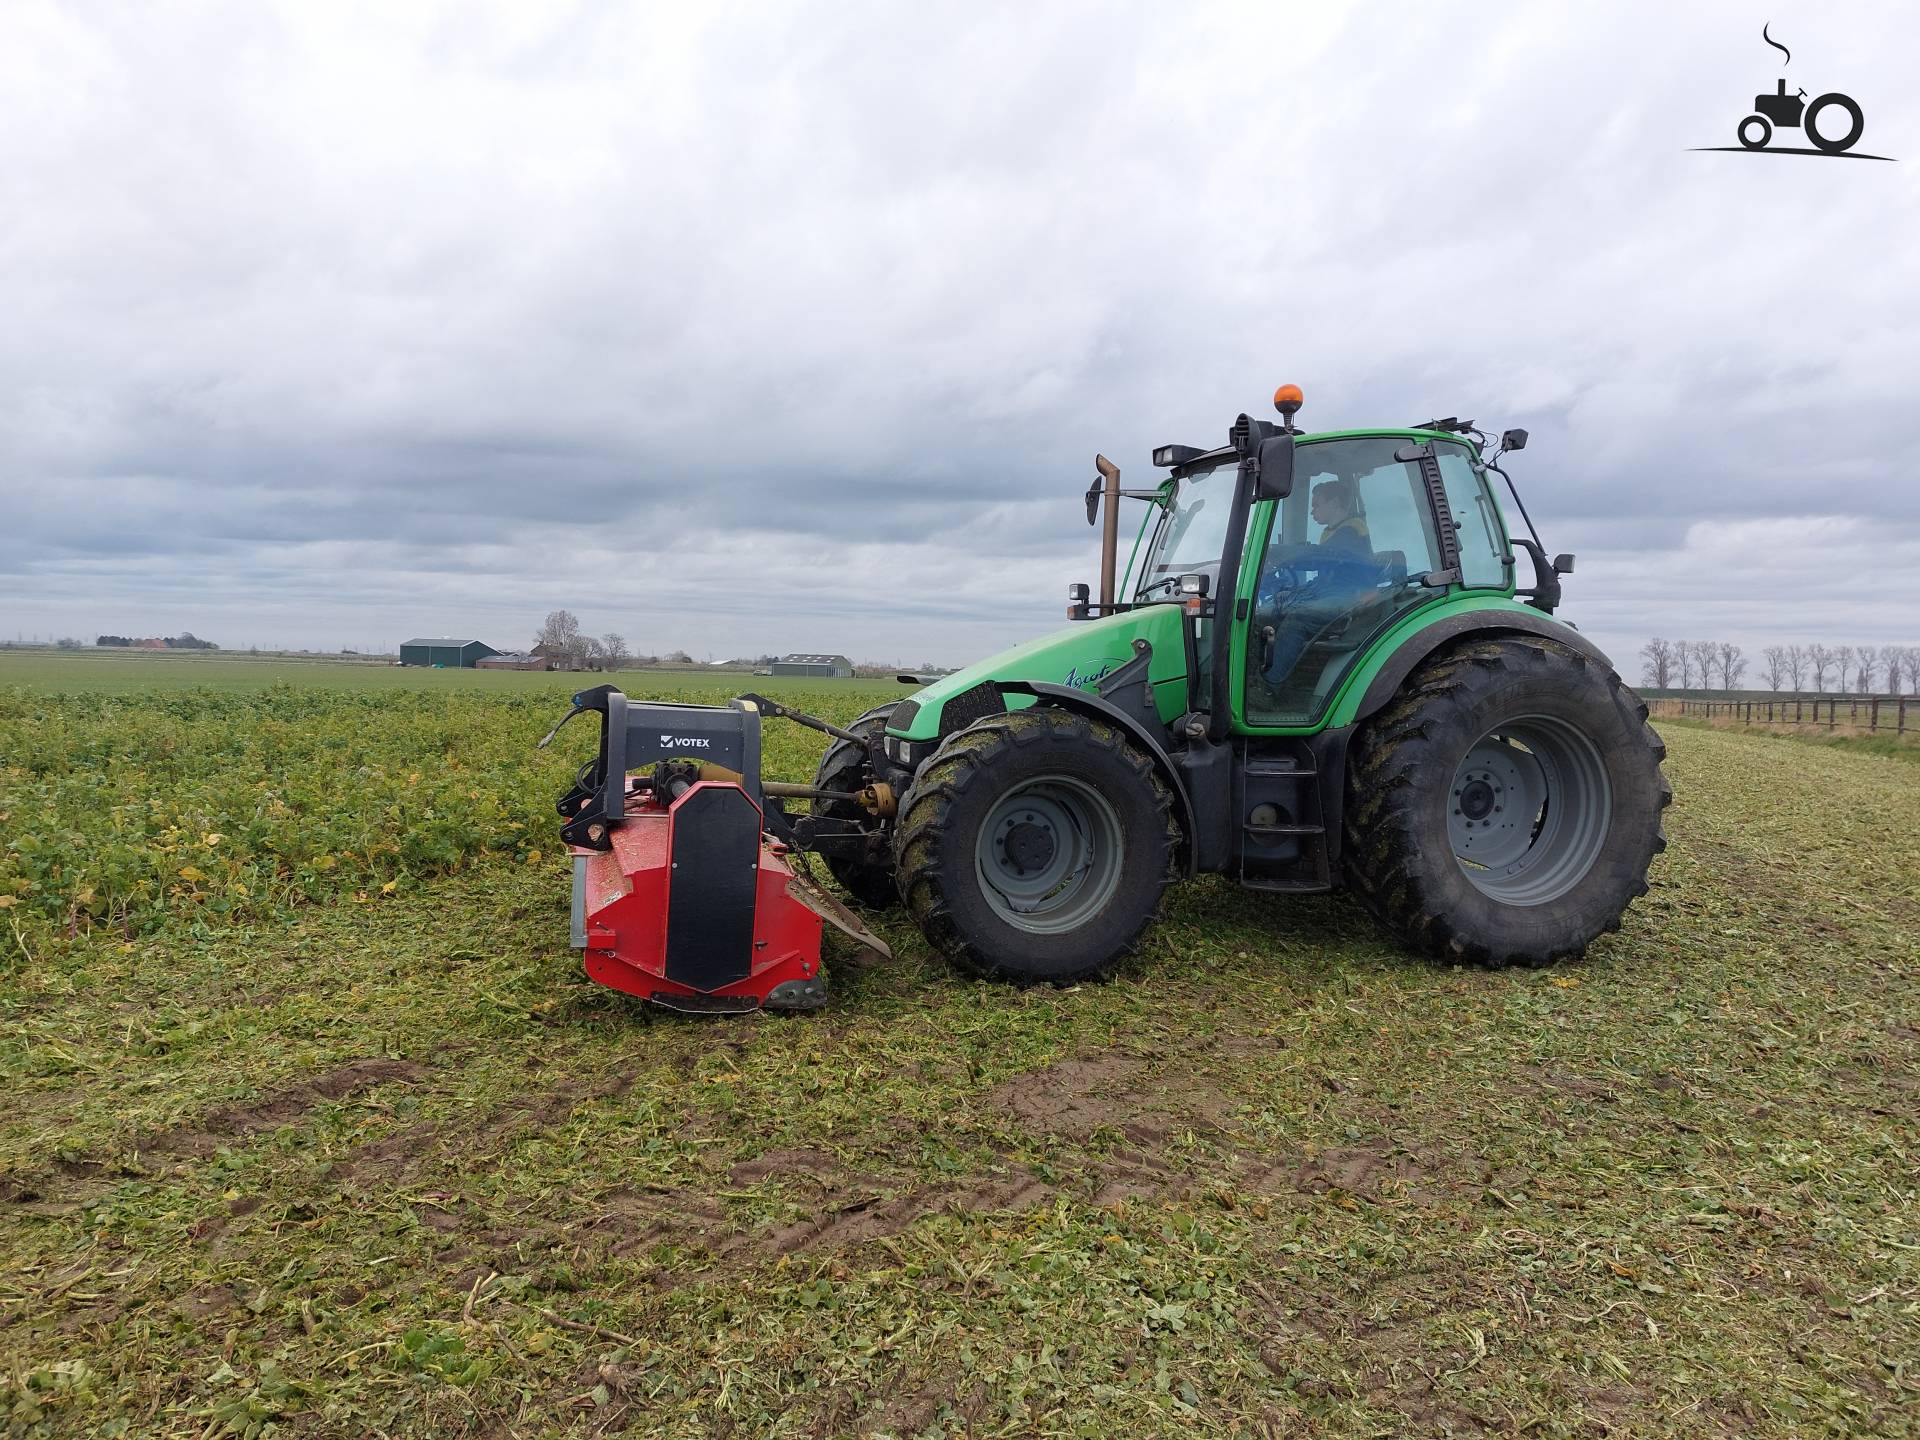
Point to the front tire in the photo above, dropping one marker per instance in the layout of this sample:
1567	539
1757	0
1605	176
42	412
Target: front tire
867	875
1504	809
1034	846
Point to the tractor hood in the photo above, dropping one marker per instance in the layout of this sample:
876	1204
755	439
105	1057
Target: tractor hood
1080	655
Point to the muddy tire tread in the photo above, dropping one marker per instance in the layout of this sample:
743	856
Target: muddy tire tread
925	848
1385	867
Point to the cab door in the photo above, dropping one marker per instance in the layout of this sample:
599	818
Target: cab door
1344	557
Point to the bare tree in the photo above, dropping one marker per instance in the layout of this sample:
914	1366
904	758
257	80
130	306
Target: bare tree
613	652
1705	655
1910	667
1733	664
1819	662
1797	666
560	633
1890	662
1683	663
1842	667
1776	671
1866	665
1657	656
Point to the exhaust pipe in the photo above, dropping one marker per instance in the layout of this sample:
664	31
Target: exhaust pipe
1110	534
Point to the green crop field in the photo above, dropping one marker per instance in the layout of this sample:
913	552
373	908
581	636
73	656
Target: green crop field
313	1126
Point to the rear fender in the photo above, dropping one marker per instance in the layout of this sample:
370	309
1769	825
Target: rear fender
1471	624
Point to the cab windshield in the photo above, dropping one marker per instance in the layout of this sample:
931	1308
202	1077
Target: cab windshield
1191	534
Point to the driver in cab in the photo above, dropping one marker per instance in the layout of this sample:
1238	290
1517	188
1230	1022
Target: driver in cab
1335	510
1342	565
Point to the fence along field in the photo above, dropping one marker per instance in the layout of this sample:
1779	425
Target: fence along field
313	1123
1895	715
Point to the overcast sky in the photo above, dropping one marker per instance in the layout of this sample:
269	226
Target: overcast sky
770	328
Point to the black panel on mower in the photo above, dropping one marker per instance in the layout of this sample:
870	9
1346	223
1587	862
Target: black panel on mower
635	735
710	894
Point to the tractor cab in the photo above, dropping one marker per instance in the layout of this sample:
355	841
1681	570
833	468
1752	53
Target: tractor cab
1370	526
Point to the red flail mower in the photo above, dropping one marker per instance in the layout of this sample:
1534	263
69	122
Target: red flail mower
686	887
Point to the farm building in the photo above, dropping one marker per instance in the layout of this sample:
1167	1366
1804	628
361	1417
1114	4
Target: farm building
556	657
513	662
836	667
454	654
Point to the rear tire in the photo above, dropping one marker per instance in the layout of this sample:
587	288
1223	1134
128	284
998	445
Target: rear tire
1034	846
867	876
1541	758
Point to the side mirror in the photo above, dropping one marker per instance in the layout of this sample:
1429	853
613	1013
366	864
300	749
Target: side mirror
1093	503
1513	440
1563	564
1545	594
1274	479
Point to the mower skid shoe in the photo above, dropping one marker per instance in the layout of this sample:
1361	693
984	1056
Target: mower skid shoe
799	995
705	1004
792	995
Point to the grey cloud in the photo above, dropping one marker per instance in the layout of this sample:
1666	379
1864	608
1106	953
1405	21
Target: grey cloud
330	321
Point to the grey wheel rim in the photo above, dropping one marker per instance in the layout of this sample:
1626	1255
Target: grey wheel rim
1528	810
1049	856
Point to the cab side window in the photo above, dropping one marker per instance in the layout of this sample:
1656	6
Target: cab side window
1483	548
1342	562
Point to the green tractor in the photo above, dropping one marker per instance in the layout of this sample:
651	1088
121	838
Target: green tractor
1316	671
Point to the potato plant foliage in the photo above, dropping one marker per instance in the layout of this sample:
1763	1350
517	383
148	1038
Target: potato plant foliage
132	811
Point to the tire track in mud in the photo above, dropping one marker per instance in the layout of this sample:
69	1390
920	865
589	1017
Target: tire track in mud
1101	1117
77	1179
1070	1106
1074	1099
405	1154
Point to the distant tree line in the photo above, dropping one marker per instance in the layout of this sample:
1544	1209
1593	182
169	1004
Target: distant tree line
185	640
1720	665
561	641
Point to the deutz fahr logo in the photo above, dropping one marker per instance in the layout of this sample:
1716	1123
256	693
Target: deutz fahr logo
1832	123
685	742
1079	681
